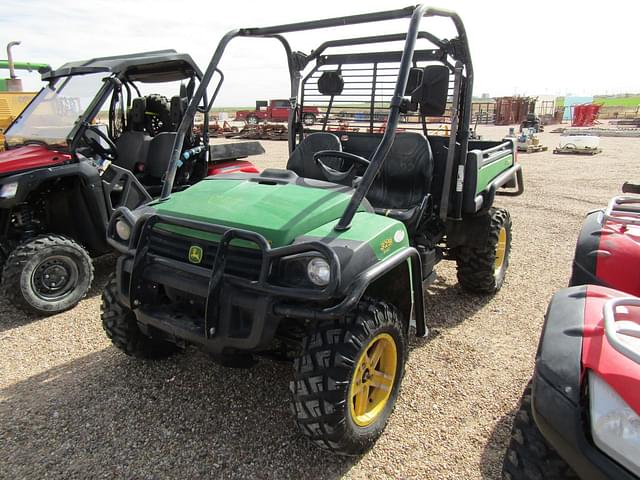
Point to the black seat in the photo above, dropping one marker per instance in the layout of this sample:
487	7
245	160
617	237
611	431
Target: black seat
159	154
301	160
133	144
401	188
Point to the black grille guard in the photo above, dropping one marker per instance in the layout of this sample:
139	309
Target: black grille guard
143	258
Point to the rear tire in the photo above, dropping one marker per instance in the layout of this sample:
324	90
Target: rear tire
482	270
251	120
120	325
308	119
529	455
332	374
47	275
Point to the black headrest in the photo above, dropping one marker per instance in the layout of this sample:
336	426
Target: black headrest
138	107
330	83
178	106
433	94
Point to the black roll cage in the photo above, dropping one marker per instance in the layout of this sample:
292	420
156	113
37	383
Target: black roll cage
457	48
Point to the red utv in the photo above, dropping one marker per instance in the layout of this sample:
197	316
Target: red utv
580	415
92	140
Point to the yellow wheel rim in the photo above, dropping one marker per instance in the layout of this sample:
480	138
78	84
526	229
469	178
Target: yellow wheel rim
373	380
501	250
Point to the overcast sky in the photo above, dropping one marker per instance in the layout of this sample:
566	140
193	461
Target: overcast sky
541	47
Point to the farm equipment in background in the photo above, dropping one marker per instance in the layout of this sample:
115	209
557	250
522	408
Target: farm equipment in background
585	115
528	142
225	130
262	131
580	414
578	144
13	99
532	122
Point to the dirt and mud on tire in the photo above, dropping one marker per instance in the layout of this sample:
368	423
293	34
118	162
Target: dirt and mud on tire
120	325
482	270
47	275
347	381
529	455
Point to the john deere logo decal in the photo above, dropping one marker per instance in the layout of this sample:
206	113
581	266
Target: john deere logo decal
195	254
386	245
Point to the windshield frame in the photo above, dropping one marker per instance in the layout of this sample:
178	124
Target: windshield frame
83	118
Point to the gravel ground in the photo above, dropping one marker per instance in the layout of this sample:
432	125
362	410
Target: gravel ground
72	406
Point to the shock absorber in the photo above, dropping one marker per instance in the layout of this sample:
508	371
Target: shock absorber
23	219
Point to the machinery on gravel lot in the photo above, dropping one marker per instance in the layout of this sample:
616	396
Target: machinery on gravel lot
580	414
88	143
324	263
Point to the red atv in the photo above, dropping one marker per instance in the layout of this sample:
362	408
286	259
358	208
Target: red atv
580	415
90	142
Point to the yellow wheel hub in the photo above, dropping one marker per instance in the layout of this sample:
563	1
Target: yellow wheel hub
501	250
373	379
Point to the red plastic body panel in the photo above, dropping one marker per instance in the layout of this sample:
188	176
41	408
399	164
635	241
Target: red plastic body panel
28	157
618	260
232	166
620	372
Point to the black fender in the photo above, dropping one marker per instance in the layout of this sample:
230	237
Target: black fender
83	206
362	283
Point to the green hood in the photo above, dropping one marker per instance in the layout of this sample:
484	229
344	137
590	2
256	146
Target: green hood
279	212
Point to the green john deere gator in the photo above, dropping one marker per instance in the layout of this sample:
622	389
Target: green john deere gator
325	262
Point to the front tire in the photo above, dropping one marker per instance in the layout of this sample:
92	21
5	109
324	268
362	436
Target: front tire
483	269
120	324
529	455
347	381
47	275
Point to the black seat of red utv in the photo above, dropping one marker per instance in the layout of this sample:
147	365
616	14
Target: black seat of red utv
133	144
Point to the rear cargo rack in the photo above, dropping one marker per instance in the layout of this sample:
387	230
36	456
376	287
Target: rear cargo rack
623	209
615	332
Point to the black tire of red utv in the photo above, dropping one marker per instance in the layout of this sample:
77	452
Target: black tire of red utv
22	262
120	324
161	121
476	266
322	376
308	119
529	456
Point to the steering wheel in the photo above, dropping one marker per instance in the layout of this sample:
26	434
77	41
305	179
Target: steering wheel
332	174
110	152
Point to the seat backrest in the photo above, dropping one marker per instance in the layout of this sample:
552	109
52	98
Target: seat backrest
177	108
405	177
159	154
136	114
301	160
132	149
133	144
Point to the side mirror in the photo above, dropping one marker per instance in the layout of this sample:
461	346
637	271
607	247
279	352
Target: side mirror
414	81
330	83
434	91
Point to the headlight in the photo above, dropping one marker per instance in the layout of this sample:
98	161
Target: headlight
615	427
123	229
9	190
318	271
